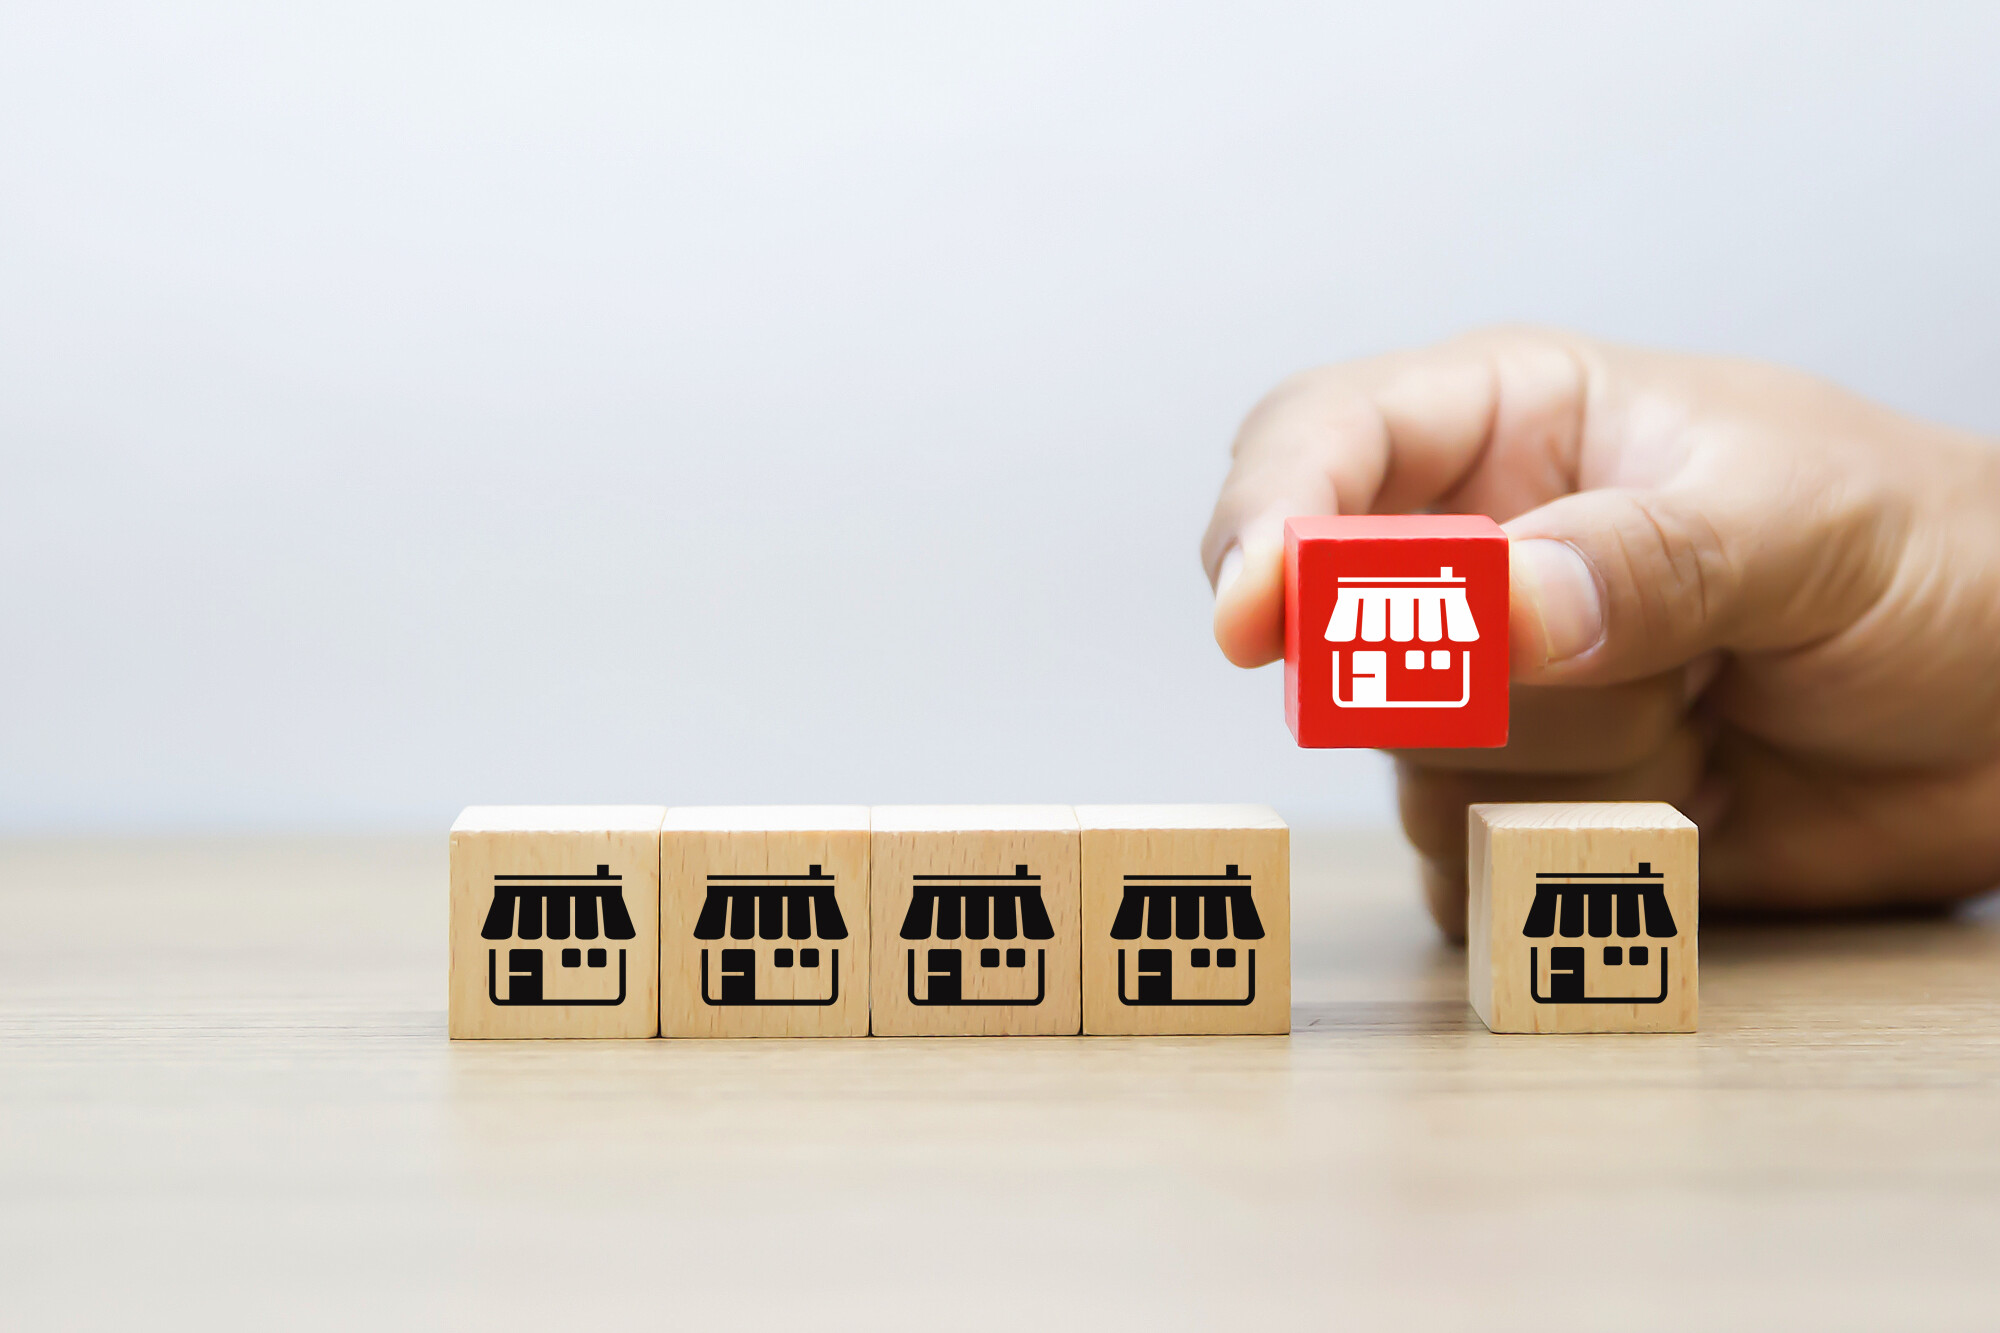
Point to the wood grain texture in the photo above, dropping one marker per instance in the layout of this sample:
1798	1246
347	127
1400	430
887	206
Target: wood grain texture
770	985
1183	963
555	921
1575	905
226	1097
992	945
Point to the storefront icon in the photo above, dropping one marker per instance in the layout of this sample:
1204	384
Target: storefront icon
977	907
759	911
1177	910
1625	905
1411	611
528	909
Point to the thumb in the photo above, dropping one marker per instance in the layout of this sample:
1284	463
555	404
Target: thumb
1619	584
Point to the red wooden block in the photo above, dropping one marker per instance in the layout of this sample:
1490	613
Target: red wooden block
1396	631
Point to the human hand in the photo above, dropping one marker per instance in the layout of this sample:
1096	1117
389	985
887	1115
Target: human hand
1735	588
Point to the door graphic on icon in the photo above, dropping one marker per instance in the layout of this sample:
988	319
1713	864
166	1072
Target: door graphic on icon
783	930
1629	906
1198	927
948	909
528	910
1430	616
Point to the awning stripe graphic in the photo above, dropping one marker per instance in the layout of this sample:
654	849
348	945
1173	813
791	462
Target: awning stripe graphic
1569	910
520	911
1187	912
1402	615
770	912
992	910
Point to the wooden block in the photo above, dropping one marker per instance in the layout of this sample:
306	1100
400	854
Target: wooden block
555	921
976	920
764	921
1187	915
1583	917
1396	630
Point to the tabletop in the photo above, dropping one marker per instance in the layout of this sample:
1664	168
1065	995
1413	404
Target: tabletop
227	1099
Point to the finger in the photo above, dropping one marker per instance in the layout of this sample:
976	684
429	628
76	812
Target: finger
1574	729
1725	541
1489	421
1433	803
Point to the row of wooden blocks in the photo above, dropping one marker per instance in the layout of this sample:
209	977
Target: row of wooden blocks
803	921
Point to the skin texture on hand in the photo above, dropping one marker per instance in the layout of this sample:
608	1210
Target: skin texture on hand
1736	588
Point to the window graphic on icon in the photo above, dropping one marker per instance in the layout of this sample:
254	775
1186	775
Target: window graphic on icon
529	909
951	908
1629	906
1420	610
1173	912
783	929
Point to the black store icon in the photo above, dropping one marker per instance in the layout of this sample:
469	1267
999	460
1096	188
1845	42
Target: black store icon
977	908
528	909
783	928
1627	905
1175	911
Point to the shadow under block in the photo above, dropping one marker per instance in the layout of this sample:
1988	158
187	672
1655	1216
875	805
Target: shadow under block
1186	919
555	921
976	915
1582	917
764	921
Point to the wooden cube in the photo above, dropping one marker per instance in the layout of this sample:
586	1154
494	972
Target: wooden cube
764	921
1186	919
976	920
555	921
1583	917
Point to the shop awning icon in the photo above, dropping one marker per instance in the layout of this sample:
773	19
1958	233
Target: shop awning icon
527	907
952	908
977	907
1187	907
771	907
1167	908
1601	905
1402	610
1420	610
1625	904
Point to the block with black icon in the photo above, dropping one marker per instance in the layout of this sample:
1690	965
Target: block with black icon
764	927
976	916
1186	919
554	921
1583	917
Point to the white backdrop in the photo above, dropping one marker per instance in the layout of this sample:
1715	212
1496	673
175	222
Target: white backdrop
410	406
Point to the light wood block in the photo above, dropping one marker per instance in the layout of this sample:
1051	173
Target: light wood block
976	917
764	921
555	921
1186	919
1583	917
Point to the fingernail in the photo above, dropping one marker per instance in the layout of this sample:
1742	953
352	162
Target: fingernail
1565	596
1227	572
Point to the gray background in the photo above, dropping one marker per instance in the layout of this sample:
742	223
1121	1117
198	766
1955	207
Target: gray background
410	406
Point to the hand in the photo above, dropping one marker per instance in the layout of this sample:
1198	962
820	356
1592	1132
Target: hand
1735	588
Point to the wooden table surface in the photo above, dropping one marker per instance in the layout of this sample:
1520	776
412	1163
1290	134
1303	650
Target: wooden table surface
226	1100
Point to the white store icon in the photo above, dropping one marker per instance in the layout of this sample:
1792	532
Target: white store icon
1403	611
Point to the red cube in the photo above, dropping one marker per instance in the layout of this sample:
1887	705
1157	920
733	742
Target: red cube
1396	631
